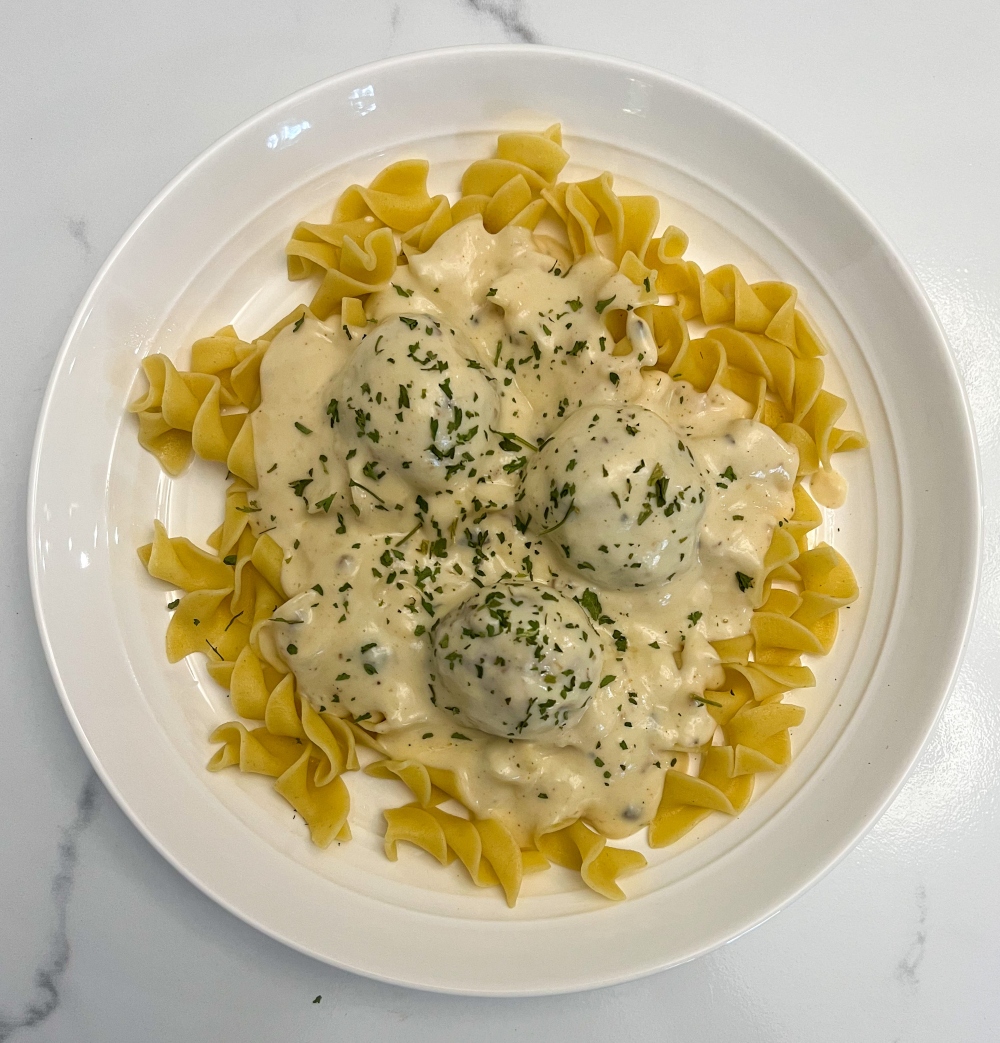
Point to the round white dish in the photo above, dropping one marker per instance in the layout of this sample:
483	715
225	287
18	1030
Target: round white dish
207	251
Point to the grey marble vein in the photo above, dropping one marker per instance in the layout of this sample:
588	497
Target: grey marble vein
50	972
510	15
906	969
77	228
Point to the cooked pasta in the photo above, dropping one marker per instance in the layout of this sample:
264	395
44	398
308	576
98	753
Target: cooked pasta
519	518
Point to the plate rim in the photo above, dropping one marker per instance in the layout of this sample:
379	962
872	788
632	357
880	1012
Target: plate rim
972	559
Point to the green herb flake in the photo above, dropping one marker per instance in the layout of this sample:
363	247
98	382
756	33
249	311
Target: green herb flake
606	680
302	427
601	305
592	603
745	581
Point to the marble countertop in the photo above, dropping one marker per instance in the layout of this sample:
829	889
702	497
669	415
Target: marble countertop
100	939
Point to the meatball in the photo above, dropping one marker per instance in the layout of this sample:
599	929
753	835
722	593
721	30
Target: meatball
617	494
517	660
414	400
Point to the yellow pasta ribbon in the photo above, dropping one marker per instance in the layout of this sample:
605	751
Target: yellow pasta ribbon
579	848
362	268
256	751
485	847
324	807
180	563
188	404
687	800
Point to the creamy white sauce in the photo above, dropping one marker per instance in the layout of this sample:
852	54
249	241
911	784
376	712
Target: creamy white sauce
398	473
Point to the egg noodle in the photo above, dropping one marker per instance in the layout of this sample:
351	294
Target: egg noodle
517	517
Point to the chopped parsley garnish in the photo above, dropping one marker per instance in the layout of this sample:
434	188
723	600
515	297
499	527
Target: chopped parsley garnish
510	442
601	305
745	581
592	603
357	485
302	427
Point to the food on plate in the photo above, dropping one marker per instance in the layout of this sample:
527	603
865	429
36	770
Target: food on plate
518	517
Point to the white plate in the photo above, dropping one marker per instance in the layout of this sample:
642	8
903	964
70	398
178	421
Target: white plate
208	251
